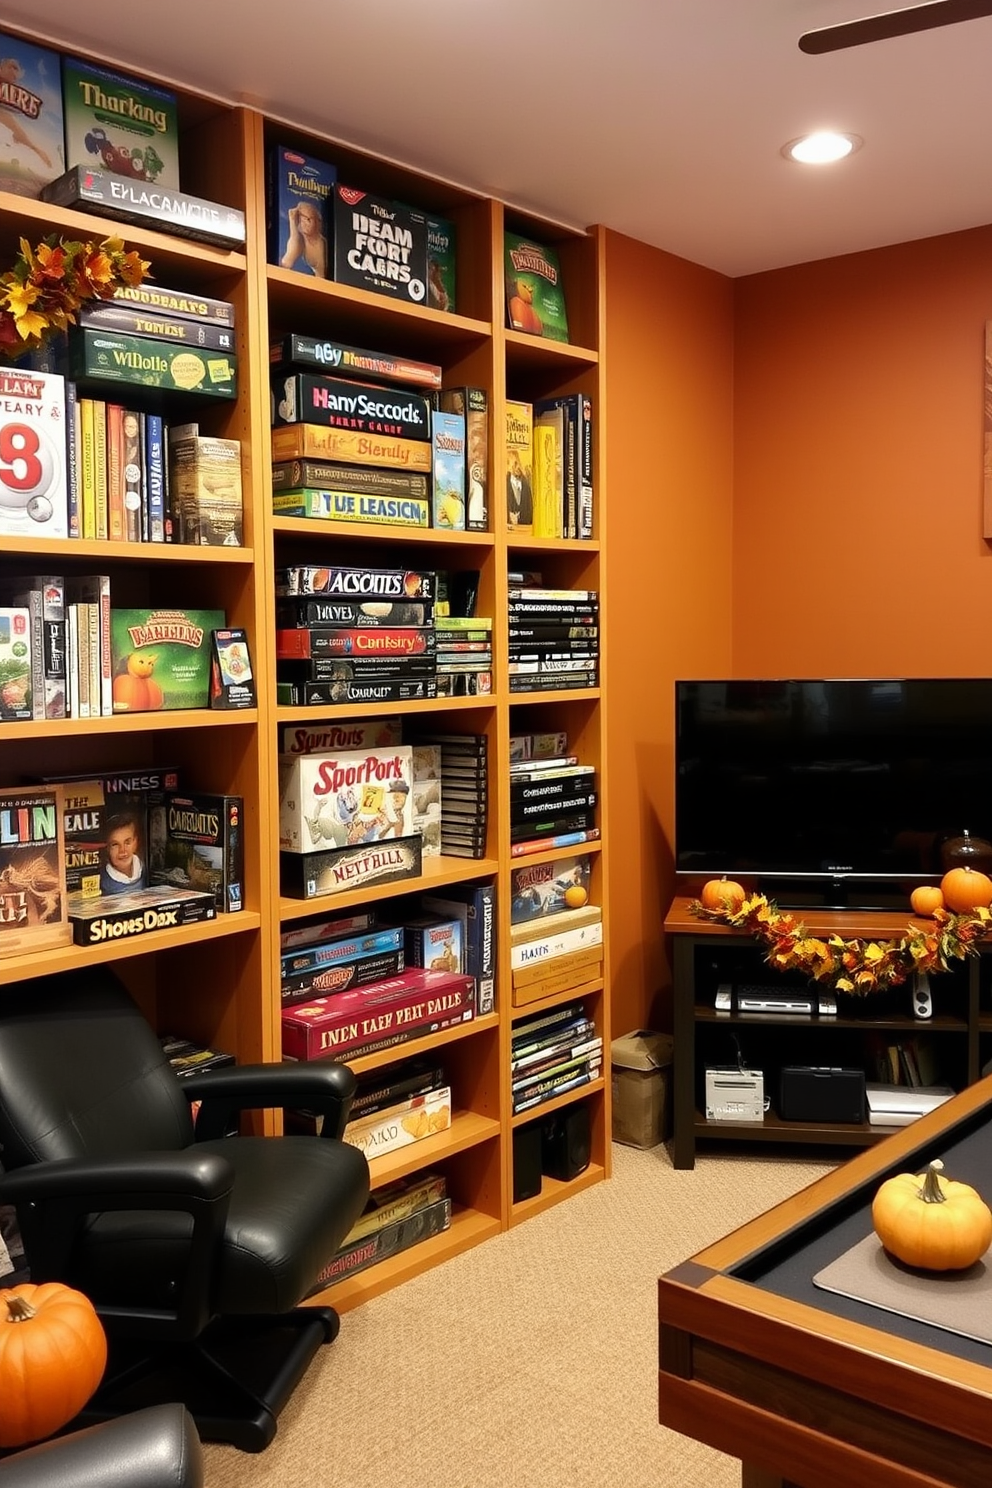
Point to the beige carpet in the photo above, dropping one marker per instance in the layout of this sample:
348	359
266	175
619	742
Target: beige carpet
529	1362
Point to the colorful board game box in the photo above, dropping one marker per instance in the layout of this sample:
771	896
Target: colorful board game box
33	905
161	658
312	353
341	403
535	299
441	279
379	245
31	124
197	842
298	211
106	839
449	471
119	124
145	362
473	402
34	500
16	695
540	889
344	798
113	917
519	466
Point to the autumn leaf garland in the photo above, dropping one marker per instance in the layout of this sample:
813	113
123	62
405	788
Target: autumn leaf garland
47	285
856	966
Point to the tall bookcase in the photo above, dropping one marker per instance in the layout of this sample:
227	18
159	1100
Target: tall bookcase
220	983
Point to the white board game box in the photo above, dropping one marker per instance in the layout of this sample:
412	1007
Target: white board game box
33	489
345	798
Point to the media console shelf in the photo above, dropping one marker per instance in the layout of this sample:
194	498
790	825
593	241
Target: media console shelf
706	955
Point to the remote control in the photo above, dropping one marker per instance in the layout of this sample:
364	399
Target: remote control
922	999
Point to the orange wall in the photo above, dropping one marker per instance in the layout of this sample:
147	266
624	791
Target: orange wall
669	350
858	544
795	471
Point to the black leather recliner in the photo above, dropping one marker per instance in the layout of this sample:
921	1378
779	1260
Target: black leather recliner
153	1448
195	1247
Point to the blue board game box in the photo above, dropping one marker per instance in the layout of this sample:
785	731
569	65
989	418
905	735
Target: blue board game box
299	211
31	125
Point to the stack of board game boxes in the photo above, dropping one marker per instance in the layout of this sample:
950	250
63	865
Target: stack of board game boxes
550	467
554	638
363	436
556	935
552	796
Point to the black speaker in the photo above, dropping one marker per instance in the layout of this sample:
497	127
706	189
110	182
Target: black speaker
809	1093
527	1161
566	1143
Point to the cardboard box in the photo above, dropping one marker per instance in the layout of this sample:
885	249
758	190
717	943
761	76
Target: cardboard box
641	1087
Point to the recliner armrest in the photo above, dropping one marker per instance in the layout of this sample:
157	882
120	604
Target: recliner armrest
157	1447
53	1200
322	1086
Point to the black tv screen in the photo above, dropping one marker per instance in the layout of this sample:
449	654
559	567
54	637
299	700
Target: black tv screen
847	788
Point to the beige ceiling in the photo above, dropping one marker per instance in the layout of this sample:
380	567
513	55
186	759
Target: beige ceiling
660	118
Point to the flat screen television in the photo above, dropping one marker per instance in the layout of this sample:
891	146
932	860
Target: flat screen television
830	792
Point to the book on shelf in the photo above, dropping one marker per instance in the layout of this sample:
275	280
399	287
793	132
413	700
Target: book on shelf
570	1039
519	440
553	1086
563	1059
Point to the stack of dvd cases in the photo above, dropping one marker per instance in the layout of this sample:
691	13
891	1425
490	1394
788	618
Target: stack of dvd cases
464	793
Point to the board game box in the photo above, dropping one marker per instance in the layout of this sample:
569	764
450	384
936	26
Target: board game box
441	265
147	205
16	694
344	798
519	466
539	889
113	917
106	839
205	494
309	352
161	658
34	498
317	442
197	842
323	738
535	299
449	471
473	403
305	398
143	361
367	585
298	211
33	900
31	123
311	875
379	245
120	124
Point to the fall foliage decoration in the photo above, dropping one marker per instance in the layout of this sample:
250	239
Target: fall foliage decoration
53	1352
857	966
47	285
965	889
930	1221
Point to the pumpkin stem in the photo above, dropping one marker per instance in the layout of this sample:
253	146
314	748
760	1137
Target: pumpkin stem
19	1309
931	1192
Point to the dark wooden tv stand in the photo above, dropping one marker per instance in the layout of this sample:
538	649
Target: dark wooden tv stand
703	952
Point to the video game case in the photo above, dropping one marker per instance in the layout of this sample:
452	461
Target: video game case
472	403
349	506
317	442
197	842
553	681
311	875
523	813
324	981
334	356
147	205
340	949
395	1238
109	315
326	694
339	403
115	917
528	1048
357	584
585	1050
393	642
557	1085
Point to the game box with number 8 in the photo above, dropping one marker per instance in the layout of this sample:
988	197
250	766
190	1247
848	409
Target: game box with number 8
33	488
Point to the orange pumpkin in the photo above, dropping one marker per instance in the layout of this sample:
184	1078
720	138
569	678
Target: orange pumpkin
926	899
965	889
722	894
931	1221
53	1352
135	689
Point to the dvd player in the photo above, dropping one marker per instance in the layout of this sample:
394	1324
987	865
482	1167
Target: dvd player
751	999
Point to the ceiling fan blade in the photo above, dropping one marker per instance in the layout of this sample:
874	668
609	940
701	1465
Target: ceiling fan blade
893	23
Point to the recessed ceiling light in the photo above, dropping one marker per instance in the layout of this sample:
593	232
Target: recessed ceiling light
821	148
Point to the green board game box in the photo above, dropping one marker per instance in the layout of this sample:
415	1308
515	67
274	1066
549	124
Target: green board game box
120	124
161	658
535	297
141	361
